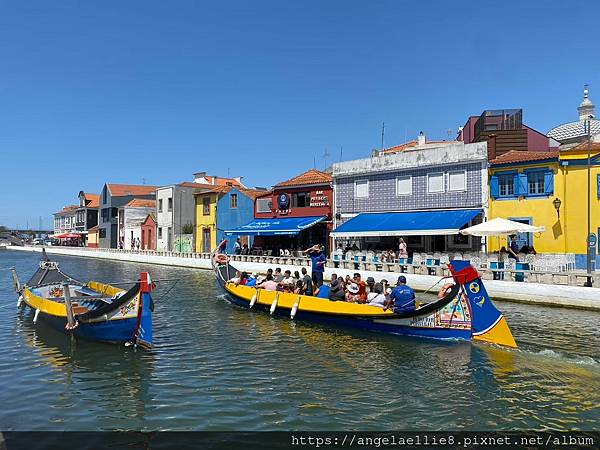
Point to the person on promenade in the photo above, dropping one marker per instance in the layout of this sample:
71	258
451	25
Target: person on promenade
513	249
402	298
318	263
307	285
237	247
268	285
402	249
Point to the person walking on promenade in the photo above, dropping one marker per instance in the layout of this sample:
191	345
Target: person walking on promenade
513	249
402	249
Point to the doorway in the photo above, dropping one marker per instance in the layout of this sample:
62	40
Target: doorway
206	240
523	239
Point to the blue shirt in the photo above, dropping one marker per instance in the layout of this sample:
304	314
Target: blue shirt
323	291
251	282
317	257
404	299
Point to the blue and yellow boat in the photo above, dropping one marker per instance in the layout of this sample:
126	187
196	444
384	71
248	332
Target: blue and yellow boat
466	312
92	310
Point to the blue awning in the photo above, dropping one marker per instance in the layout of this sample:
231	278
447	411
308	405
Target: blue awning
419	223
274	227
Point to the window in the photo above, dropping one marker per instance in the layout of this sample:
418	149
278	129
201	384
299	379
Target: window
160	232
104	195
435	182
233	201
105	214
102	233
263	205
506	185
160	205
114	212
361	188
535	183
457	181
300	199
206	206
404	185
598	189
170	204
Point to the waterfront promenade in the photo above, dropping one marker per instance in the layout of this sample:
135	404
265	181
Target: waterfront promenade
534	293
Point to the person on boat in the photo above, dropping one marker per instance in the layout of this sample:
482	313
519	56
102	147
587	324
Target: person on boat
287	283
377	297
278	276
298	287
237	278
352	296
336	288
269	284
252	280
243	279
402	297
270	271
307	285
362	287
370	285
318	263
322	291
296	276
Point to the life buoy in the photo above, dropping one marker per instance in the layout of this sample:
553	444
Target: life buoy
445	290
220	258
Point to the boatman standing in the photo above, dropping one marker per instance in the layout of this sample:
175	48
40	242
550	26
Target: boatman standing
318	263
402	297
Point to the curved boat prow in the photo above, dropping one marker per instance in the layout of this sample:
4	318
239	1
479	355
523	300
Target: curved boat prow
488	323
143	330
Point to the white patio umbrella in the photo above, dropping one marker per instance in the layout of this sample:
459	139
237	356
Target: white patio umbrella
499	227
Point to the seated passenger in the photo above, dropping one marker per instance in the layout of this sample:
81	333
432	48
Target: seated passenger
377	297
252	280
336	289
269	284
243	279
362	288
278	276
287	280
402	298
352	296
322	291
298	287
236	279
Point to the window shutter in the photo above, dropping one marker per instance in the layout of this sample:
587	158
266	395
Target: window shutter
521	184
495	187
549	183
598	190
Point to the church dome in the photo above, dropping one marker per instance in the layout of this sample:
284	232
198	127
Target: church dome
575	131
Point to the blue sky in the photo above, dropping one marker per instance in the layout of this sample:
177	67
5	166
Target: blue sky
151	90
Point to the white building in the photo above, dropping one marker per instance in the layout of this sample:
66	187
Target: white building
131	217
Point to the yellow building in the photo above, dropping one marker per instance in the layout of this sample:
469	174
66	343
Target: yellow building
205	233
547	189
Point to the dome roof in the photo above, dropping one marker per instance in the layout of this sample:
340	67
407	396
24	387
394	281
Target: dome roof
573	130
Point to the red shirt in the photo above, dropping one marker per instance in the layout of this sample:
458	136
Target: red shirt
362	290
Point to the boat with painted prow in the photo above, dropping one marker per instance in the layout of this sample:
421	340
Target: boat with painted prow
92	310
465	312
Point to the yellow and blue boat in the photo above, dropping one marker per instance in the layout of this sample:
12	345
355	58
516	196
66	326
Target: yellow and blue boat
92	310
466	312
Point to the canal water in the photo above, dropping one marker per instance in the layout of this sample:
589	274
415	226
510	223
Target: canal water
216	366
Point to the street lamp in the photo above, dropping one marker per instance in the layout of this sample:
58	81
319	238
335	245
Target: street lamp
556	202
588	282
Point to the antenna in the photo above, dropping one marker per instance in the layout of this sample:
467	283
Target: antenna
382	134
143	181
314	162
325	156
341	153
228	172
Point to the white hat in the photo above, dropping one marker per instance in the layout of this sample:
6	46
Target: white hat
254	275
388	291
353	288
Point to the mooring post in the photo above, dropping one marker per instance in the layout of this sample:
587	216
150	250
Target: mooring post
17	283
69	305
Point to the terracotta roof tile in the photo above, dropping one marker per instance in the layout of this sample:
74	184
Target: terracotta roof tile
254	193
312	176
67	209
93	199
141	203
122	190
584	146
516	156
211	188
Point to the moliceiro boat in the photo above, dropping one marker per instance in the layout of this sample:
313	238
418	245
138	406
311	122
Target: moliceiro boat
466	311
92	310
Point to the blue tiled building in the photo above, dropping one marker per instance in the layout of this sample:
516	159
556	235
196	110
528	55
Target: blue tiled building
445	177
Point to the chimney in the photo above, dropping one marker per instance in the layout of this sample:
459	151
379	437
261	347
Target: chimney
491	142
198	177
422	140
214	180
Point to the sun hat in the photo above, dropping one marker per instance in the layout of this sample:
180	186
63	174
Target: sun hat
353	288
388	291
